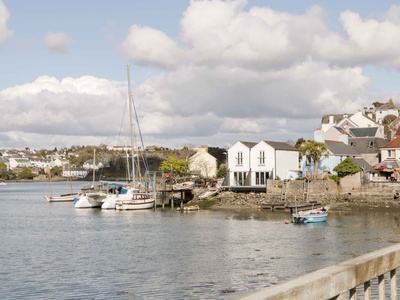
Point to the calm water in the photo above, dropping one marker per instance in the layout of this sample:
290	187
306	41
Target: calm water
54	251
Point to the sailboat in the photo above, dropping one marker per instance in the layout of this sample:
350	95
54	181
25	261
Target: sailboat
131	198
94	195
63	197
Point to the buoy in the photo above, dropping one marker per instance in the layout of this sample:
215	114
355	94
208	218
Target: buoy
286	222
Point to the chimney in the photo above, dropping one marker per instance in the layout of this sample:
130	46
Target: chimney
330	119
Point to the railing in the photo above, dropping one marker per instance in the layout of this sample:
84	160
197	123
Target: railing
342	281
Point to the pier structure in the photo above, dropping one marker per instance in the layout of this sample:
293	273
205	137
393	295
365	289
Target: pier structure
346	280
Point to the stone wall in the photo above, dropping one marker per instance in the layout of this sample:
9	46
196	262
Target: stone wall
325	191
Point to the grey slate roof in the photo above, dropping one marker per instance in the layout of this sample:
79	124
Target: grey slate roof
249	144
363	131
367	144
363	164
281	146
340	148
336	118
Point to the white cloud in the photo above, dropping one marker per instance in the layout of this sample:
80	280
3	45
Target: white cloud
146	45
59	42
5	32
235	73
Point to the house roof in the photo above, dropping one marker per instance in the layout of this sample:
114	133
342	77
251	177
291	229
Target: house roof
336	118
367	145
386	106
388	165
249	144
281	146
393	143
363	164
340	148
363	131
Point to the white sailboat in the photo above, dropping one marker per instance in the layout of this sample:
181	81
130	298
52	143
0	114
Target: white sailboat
132	198
95	195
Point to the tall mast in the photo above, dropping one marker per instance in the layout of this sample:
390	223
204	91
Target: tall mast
131	121
94	165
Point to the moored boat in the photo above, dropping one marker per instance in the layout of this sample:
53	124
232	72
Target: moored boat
62	198
310	216
138	201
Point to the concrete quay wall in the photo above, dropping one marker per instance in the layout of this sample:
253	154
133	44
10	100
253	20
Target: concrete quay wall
325	191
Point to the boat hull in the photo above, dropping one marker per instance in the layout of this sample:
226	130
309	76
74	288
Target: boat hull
64	198
134	204
312	216
88	202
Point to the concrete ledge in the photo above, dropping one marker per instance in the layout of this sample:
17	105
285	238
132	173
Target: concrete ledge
334	280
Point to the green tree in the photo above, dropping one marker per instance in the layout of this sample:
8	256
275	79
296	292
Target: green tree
346	167
299	142
222	172
315	151
178	166
3	170
26	173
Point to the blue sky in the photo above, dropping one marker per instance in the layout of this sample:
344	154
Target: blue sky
202	72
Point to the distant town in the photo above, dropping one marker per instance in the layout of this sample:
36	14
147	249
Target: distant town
369	137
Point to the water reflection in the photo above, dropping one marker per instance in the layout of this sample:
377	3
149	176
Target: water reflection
54	251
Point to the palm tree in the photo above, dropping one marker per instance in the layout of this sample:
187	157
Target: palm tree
315	151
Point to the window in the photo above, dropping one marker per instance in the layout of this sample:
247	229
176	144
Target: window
261	178
390	153
308	161
371	144
351	144
239	178
239	159
261	159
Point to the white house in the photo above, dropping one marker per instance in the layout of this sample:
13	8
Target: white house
74	172
239	163
386	109
391	150
272	160
203	163
251	164
19	162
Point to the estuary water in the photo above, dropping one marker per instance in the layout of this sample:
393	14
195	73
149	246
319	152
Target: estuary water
54	251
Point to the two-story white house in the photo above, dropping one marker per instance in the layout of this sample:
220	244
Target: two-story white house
251	164
239	164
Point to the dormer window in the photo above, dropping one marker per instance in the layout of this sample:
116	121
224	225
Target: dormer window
371	144
351	144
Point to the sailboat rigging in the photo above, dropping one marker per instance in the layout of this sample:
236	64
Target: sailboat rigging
133	197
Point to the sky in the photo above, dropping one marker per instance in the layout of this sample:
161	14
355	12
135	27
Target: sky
201	72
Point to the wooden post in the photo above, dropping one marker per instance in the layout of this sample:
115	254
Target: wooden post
393	284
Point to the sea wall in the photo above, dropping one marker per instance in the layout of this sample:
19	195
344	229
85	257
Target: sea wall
325	191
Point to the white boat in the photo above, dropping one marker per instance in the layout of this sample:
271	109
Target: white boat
310	216
139	201
62	198
95	195
121	195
